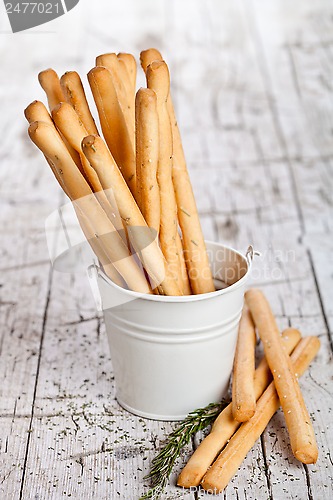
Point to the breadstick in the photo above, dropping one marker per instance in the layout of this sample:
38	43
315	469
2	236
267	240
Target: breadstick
147	145
50	83
130	63
243	396
226	465
123	88
158	80
149	252
148	56
72	88
186	286
50	143
36	111
113	123
193	241
69	124
225	425
302	438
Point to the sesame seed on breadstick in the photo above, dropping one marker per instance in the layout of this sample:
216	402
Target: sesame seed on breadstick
73	90
225	425
149	252
50	143
302	437
229	460
158	80
113	123
50	83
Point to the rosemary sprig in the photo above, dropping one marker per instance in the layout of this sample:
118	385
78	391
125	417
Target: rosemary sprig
163	463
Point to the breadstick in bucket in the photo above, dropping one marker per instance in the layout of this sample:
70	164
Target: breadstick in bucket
72	88
102	161
113	123
147	147
50	143
193	241
158	80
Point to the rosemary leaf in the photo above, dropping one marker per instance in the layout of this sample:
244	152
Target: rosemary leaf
163	463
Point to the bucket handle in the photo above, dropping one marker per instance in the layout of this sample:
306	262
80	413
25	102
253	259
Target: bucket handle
92	273
251	253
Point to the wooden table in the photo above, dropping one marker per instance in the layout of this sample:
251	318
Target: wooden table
252	82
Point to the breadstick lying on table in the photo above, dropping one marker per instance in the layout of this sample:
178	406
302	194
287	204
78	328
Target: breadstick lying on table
243	394
148	251
158	80
73	91
69	124
130	63
113	123
226	465
193	241
302	437
147	146
225	425
123	88
50	143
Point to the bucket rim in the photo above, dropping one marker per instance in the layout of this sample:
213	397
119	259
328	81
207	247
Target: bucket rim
248	259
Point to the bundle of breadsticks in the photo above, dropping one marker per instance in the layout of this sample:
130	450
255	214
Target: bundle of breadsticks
256	396
131	190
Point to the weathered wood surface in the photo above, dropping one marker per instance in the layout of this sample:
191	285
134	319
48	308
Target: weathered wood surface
252	82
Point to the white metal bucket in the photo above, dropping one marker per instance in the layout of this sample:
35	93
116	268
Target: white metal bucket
172	355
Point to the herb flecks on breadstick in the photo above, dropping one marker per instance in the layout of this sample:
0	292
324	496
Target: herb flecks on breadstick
158	80
225	425
243	396
50	143
73	90
302	437
113	123
147	148
226	465
147	248
193	241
